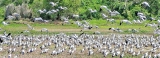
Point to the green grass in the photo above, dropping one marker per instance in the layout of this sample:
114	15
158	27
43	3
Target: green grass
102	24
18	26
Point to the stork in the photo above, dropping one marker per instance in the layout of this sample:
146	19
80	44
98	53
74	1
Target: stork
146	4
53	4
125	21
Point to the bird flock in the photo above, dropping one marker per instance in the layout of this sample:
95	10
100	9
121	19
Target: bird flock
113	45
52	11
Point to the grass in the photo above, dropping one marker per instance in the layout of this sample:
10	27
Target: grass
125	27
19	26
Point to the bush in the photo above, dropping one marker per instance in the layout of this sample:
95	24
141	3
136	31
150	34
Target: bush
5	2
18	2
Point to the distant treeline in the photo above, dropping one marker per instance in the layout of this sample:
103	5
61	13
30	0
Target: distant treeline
126	8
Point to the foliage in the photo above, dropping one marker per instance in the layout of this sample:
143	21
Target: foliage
5	2
126	8
1	11
18	2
